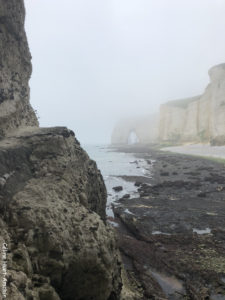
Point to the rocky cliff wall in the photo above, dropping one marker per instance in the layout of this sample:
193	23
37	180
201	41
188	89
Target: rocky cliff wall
198	119
52	196
15	69
53	209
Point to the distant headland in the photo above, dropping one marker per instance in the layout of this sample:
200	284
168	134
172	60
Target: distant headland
199	119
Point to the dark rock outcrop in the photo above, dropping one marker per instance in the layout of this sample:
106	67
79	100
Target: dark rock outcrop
15	66
52	196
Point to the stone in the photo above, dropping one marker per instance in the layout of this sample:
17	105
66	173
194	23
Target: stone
126	196
118	188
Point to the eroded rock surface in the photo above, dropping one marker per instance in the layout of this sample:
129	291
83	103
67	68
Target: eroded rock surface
15	66
52	196
53	207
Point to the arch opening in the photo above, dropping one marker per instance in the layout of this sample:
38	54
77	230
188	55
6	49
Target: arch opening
132	138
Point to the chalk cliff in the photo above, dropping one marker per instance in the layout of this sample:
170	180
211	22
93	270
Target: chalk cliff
52	196
198	119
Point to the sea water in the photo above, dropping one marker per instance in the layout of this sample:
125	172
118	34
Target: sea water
114	164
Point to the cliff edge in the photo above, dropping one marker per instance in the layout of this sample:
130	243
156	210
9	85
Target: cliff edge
54	241
198	119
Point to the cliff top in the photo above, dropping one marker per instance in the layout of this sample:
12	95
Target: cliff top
217	72
182	103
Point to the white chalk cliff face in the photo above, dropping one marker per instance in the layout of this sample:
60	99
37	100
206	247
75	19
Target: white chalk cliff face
141	130
198	119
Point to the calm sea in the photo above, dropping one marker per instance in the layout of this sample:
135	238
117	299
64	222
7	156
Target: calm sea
113	165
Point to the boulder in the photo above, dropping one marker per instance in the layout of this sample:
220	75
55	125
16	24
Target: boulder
51	232
118	188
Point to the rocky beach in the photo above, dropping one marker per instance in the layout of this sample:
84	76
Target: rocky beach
171	237
105	223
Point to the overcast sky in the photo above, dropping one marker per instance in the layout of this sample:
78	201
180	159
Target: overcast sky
95	61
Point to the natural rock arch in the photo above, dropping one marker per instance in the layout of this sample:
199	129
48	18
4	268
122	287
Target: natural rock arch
145	128
132	137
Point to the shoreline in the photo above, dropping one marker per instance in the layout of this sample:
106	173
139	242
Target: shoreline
199	150
173	234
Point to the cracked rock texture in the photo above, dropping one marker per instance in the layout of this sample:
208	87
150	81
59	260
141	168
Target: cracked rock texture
52	196
59	245
15	66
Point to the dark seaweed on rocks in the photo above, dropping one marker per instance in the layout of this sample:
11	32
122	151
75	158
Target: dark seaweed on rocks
172	236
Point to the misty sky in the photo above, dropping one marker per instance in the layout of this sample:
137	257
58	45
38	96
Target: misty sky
95	61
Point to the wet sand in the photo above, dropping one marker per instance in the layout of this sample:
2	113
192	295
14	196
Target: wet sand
172	237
